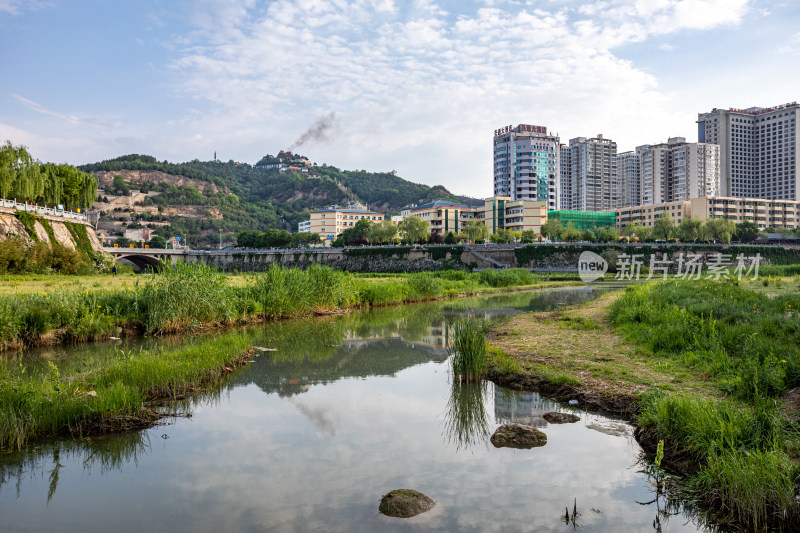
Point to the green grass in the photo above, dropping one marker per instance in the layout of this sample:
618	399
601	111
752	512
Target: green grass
746	470
748	344
502	363
49	404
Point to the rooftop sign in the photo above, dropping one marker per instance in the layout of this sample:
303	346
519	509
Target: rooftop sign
521	128
762	111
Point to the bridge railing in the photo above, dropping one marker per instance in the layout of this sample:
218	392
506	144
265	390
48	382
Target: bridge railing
42	210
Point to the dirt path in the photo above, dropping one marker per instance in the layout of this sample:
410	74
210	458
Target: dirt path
574	353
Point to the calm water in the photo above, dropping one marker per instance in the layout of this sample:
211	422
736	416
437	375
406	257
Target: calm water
309	438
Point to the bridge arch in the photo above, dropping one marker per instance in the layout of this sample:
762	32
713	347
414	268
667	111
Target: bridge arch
143	262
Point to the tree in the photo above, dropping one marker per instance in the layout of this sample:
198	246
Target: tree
414	229
551	229
689	230
746	231
502	236
304	239
475	230
450	238
355	236
720	229
120	186
636	231
570	233
528	236
382	232
607	234
157	241
588	235
663	227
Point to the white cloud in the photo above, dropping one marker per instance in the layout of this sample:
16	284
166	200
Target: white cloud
432	84
415	86
666	47
15	7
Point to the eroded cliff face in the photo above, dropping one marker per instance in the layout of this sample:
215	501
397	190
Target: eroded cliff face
10	225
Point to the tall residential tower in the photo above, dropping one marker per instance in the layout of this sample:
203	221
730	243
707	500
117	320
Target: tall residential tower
526	164
677	171
589	174
758	150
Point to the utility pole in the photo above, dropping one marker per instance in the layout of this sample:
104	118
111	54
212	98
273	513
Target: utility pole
220	238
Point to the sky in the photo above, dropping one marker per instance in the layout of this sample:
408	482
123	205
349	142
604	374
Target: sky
413	86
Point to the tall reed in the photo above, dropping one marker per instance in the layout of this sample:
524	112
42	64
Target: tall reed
468	346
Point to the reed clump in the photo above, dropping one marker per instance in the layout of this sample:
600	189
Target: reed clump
468	347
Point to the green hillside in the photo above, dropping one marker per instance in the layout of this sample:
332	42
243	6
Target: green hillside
234	197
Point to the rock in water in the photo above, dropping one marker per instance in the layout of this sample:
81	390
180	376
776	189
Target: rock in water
405	503
518	436
560	418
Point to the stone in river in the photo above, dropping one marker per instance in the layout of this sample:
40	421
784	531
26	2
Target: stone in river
405	503
560	418
518	436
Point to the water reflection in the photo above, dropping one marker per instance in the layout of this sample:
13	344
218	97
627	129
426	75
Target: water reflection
47	459
466	418
523	407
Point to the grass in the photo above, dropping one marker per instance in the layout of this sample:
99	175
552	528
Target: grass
182	297
113	395
746	342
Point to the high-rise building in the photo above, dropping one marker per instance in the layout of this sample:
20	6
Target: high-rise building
589	179
677	171
758	150
526	164
629	179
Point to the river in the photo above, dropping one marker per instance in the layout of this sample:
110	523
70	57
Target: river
309	437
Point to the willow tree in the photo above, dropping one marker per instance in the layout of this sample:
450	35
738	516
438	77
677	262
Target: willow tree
25	179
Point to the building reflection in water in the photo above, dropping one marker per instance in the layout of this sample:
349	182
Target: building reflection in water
522	407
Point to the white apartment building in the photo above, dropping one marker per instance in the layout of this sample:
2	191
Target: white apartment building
676	171
758	150
589	174
526	164
629	178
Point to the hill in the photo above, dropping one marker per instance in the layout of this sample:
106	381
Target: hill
201	199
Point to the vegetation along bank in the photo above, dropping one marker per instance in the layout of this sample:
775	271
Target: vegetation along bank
712	369
192	295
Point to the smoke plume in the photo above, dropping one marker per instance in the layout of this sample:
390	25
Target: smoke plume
318	131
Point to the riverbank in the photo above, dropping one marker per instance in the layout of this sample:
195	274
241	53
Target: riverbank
699	365
116	396
36	310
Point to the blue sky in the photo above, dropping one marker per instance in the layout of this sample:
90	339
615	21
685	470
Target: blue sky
415	86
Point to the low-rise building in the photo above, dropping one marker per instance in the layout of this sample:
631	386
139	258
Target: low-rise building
646	215
501	212
304	226
764	213
330	223
442	216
